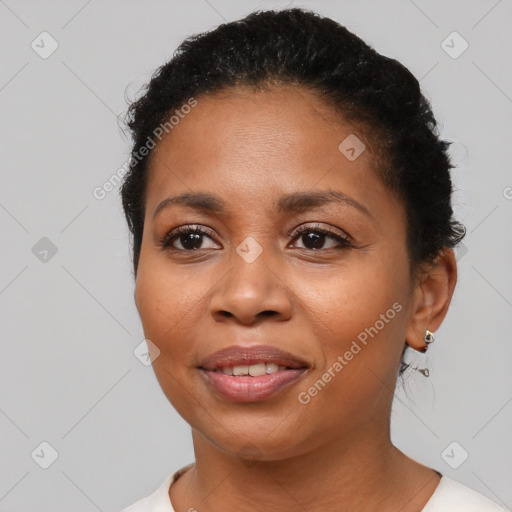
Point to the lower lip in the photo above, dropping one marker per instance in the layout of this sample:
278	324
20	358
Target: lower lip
252	389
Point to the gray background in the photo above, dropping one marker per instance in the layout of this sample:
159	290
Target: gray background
68	375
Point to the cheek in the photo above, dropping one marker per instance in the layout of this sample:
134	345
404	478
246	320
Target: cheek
167	304
171	303
353	298
360	318
166	298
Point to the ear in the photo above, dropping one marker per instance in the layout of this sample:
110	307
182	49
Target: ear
431	298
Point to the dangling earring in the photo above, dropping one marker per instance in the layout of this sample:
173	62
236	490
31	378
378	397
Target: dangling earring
416	360
429	338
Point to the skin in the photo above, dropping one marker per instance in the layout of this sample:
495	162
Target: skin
334	453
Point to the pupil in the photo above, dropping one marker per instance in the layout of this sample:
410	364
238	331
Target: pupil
316	238
190	237
310	240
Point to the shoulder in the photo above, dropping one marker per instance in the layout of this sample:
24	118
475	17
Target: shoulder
159	500
452	496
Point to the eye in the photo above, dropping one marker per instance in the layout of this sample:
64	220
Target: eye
190	237
314	237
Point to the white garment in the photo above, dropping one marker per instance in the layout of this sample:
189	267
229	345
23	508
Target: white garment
449	496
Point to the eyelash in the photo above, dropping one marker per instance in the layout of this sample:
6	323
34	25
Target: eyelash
344	240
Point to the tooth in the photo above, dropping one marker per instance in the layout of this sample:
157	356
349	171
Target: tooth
271	368
241	370
227	370
282	368
256	370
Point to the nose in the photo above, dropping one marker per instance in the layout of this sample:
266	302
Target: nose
252	291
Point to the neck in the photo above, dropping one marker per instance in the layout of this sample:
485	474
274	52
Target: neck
350	476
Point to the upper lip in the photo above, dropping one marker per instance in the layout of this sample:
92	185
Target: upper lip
237	355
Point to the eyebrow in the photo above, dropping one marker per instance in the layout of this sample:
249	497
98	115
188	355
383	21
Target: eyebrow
294	202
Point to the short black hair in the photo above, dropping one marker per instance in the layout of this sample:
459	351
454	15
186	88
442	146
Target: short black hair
301	48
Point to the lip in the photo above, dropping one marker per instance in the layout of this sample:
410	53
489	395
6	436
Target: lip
237	355
247	388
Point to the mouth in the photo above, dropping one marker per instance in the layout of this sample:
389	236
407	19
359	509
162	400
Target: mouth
254	370
251	374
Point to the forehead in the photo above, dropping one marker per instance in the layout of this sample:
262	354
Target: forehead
239	125
267	124
254	145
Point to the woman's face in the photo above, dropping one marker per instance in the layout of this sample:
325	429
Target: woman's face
302	249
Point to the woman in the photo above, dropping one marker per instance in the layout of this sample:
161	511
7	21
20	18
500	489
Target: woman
293	235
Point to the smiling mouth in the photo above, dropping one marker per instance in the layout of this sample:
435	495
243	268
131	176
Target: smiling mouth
251	374
253	370
251	383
